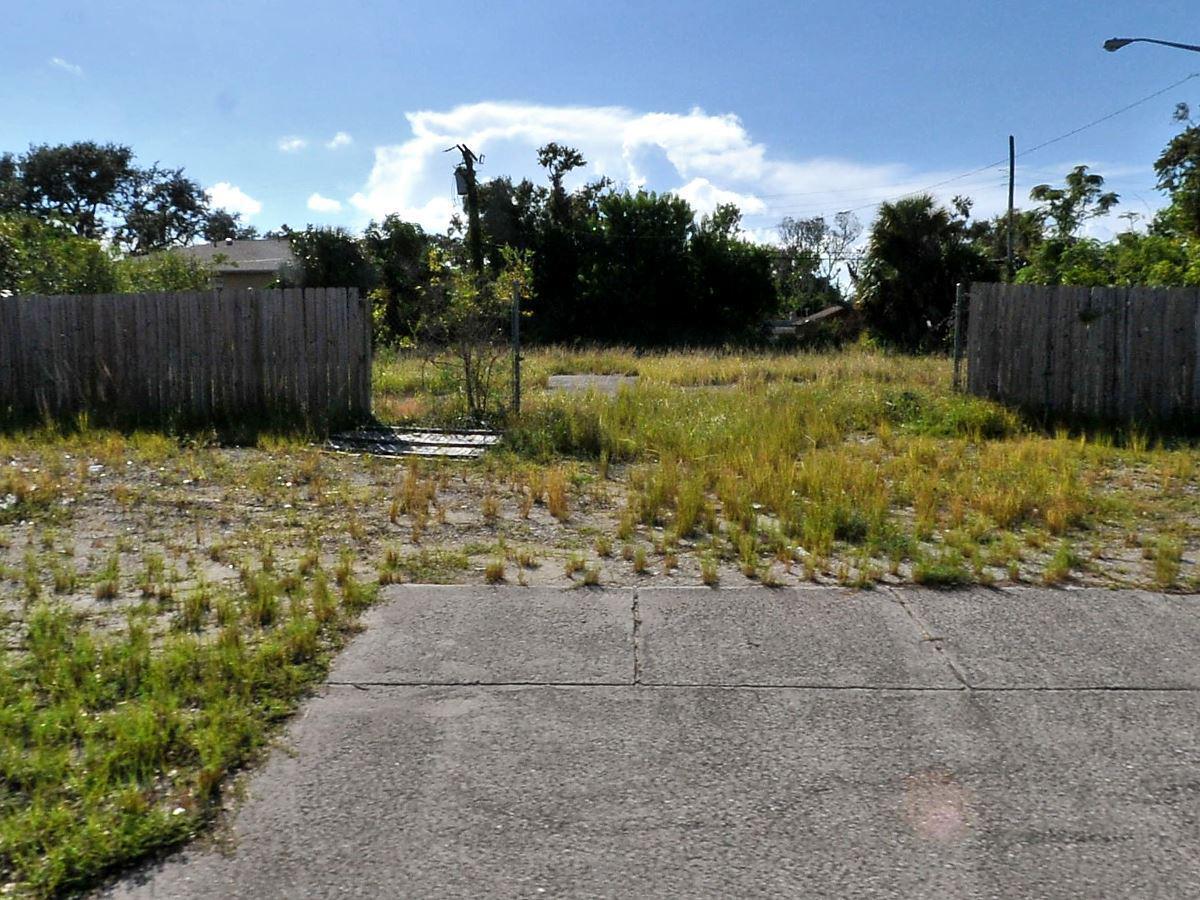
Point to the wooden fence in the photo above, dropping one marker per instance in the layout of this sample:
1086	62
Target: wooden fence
1114	353
195	357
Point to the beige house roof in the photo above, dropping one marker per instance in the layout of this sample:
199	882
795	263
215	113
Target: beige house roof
259	255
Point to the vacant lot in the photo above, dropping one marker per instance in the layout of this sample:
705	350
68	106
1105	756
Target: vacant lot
165	599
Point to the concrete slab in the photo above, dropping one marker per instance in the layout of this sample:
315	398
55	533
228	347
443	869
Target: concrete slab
453	634
701	792
603	384
764	636
1057	638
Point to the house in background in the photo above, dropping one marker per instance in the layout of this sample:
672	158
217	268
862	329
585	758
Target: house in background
243	264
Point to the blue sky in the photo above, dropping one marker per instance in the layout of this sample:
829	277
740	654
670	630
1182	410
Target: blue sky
789	108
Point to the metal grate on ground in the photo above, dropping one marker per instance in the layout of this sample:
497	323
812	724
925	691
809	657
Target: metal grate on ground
386	441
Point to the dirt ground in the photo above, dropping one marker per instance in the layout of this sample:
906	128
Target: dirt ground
146	530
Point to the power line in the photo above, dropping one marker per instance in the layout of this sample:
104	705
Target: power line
1111	115
1054	140
854	190
798	210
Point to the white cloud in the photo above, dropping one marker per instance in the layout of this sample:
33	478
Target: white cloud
224	195
59	62
707	159
704	197
341	139
292	144
654	150
320	204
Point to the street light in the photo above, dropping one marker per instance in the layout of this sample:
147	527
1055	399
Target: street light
1112	45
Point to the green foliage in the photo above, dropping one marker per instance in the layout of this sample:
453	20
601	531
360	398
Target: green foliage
114	747
41	258
626	267
649	292
810	253
1059	261
1081	198
735	288
330	257
946	568
1178	170
1169	255
917	252
75	185
161	272
991	236
221	225
165	209
399	251
97	190
1131	259
462	326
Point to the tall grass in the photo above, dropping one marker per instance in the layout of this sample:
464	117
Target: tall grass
855	449
113	746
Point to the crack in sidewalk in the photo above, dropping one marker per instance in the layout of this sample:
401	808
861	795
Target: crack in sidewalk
927	635
637	636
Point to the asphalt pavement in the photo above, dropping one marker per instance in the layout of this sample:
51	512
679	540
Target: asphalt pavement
689	742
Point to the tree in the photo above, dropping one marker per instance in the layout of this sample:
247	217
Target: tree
164	209
462	326
916	253
639	282
509	216
221	225
161	272
97	190
1083	197
399	251
1178	170
811	252
71	184
991	237
564	241
559	161
330	257
1131	259
734	285
12	188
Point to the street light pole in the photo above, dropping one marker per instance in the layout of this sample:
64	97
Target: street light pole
1112	45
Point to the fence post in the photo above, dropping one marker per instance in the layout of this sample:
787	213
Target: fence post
516	348
958	311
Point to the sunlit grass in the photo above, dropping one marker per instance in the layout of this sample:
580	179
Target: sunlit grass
113	745
854	452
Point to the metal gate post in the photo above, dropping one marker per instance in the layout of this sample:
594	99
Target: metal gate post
516	348
958	348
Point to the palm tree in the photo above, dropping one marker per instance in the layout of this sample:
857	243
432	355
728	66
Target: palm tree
916	254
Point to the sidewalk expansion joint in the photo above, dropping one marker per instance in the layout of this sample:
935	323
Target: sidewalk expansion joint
779	686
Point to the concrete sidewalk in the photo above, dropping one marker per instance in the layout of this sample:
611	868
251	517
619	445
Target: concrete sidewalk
477	742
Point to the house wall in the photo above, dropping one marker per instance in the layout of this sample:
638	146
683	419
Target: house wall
240	280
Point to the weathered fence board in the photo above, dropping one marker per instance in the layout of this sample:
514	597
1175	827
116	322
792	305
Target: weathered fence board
195	356
1105	353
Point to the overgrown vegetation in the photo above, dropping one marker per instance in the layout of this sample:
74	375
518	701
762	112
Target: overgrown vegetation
114	745
166	599
857	465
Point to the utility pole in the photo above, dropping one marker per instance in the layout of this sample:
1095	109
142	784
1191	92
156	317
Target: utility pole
466	178
1012	177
